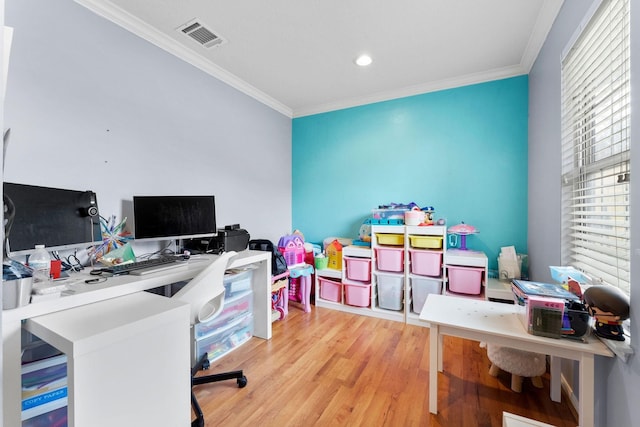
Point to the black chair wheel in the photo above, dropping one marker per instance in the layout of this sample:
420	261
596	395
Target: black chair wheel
242	382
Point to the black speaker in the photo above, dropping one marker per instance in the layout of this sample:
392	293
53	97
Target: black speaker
92	209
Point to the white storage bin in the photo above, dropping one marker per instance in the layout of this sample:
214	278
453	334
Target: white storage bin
390	289
421	287
238	305
224	340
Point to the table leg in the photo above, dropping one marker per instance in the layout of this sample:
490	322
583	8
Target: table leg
440	357
555	364
586	402
435	360
305	292
11	374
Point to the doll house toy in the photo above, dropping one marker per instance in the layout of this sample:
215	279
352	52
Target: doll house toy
292	248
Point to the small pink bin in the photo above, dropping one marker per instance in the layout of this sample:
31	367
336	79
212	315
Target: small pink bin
358	268
465	280
390	259
330	290
357	294
426	263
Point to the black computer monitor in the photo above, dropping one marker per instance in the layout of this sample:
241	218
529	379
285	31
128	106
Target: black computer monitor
58	218
174	217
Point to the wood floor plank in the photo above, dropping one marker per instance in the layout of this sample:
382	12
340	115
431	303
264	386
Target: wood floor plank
328	368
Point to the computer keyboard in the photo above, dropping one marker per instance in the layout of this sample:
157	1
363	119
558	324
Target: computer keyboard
150	265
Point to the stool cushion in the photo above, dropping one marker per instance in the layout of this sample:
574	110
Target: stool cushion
518	362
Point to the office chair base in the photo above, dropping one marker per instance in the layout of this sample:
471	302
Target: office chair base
203	363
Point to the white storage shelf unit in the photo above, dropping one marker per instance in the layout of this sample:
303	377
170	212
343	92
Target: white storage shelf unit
405	266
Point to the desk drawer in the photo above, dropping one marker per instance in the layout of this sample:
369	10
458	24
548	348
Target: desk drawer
226	339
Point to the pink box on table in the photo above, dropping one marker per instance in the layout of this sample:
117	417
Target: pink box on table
426	263
465	280
390	259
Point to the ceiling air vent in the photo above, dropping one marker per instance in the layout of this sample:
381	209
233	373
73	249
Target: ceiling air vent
197	31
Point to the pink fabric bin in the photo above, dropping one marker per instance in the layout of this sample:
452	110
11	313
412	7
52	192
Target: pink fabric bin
358	295
465	280
390	259
426	263
358	268
331	290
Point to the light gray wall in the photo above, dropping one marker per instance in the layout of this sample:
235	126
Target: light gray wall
617	383
91	106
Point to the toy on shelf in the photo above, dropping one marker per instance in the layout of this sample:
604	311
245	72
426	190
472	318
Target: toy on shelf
397	213
364	234
460	231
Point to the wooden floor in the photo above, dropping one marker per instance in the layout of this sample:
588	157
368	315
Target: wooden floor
328	368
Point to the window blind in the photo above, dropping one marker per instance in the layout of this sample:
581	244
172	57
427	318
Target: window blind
595	147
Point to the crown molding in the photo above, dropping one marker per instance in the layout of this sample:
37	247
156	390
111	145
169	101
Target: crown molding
134	25
451	83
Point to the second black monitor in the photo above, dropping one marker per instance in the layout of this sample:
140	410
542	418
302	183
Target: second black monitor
174	217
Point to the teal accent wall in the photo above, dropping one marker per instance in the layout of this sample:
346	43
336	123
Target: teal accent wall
462	151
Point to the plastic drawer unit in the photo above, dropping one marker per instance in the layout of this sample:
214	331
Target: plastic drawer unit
236	282
223	340
235	307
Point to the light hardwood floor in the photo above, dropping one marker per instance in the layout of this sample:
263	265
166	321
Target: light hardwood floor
328	368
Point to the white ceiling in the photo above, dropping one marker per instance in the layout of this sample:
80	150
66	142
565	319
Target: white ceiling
297	56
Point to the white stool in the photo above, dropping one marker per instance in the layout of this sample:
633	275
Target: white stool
518	363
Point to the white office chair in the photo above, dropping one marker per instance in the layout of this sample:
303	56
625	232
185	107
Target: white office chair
205	295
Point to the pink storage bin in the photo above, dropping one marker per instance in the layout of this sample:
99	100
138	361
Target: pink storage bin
390	259
330	290
465	280
358	295
425	263
358	268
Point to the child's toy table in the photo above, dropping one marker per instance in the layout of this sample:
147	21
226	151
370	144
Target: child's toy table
301	294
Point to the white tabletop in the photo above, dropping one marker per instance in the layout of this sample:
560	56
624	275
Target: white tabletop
480	319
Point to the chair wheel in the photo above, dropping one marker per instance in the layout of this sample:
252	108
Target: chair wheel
206	365
242	382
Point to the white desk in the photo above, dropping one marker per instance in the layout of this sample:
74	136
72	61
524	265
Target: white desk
115	287
126	360
497	323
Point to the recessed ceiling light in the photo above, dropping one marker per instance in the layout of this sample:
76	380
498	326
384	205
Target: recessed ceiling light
363	60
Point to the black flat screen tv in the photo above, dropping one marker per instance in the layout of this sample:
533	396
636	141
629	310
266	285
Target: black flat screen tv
58	218
174	217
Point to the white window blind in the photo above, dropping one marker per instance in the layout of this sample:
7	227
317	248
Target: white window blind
595	147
